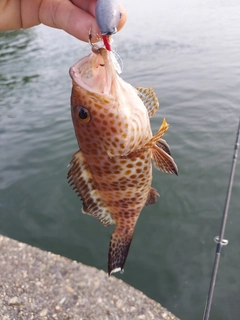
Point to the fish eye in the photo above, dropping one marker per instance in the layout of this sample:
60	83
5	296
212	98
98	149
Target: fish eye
83	114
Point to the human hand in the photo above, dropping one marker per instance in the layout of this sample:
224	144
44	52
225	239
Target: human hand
77	17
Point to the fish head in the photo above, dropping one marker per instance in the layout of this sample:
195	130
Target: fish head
108	115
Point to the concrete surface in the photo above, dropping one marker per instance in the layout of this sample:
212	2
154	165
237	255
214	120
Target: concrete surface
35	284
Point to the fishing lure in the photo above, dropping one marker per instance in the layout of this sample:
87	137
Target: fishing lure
108	14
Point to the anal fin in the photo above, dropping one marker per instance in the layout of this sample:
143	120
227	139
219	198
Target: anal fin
163	161
81	178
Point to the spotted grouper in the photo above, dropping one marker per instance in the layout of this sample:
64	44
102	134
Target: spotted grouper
112	170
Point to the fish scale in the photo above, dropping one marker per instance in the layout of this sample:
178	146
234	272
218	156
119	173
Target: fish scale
112	171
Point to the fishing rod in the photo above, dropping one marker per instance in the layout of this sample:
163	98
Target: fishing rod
220	239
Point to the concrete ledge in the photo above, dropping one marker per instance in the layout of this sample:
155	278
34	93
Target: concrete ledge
35	284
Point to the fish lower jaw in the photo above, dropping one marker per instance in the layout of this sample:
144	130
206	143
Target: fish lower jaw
76	77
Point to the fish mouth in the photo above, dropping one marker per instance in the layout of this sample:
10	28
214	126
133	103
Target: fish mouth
95	72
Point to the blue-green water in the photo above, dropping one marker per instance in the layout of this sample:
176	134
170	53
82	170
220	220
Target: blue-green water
189	52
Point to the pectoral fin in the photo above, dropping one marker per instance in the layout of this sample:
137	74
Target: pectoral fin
149	98
163	161
81	177
162	144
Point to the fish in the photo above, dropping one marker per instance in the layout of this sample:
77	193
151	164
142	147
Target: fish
112	170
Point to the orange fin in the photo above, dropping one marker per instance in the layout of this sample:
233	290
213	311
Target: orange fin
118	250
149	99
81	177
152	196
163	128
163	161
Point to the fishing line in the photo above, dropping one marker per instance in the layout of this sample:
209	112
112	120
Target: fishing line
220	239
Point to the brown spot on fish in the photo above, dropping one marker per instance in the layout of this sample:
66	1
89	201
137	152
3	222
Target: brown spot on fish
98	106
122	145
124	135
114	130
133	176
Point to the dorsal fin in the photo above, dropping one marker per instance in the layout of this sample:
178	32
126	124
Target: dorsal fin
149	99
81	177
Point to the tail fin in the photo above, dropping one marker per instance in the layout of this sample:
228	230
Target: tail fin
118	250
